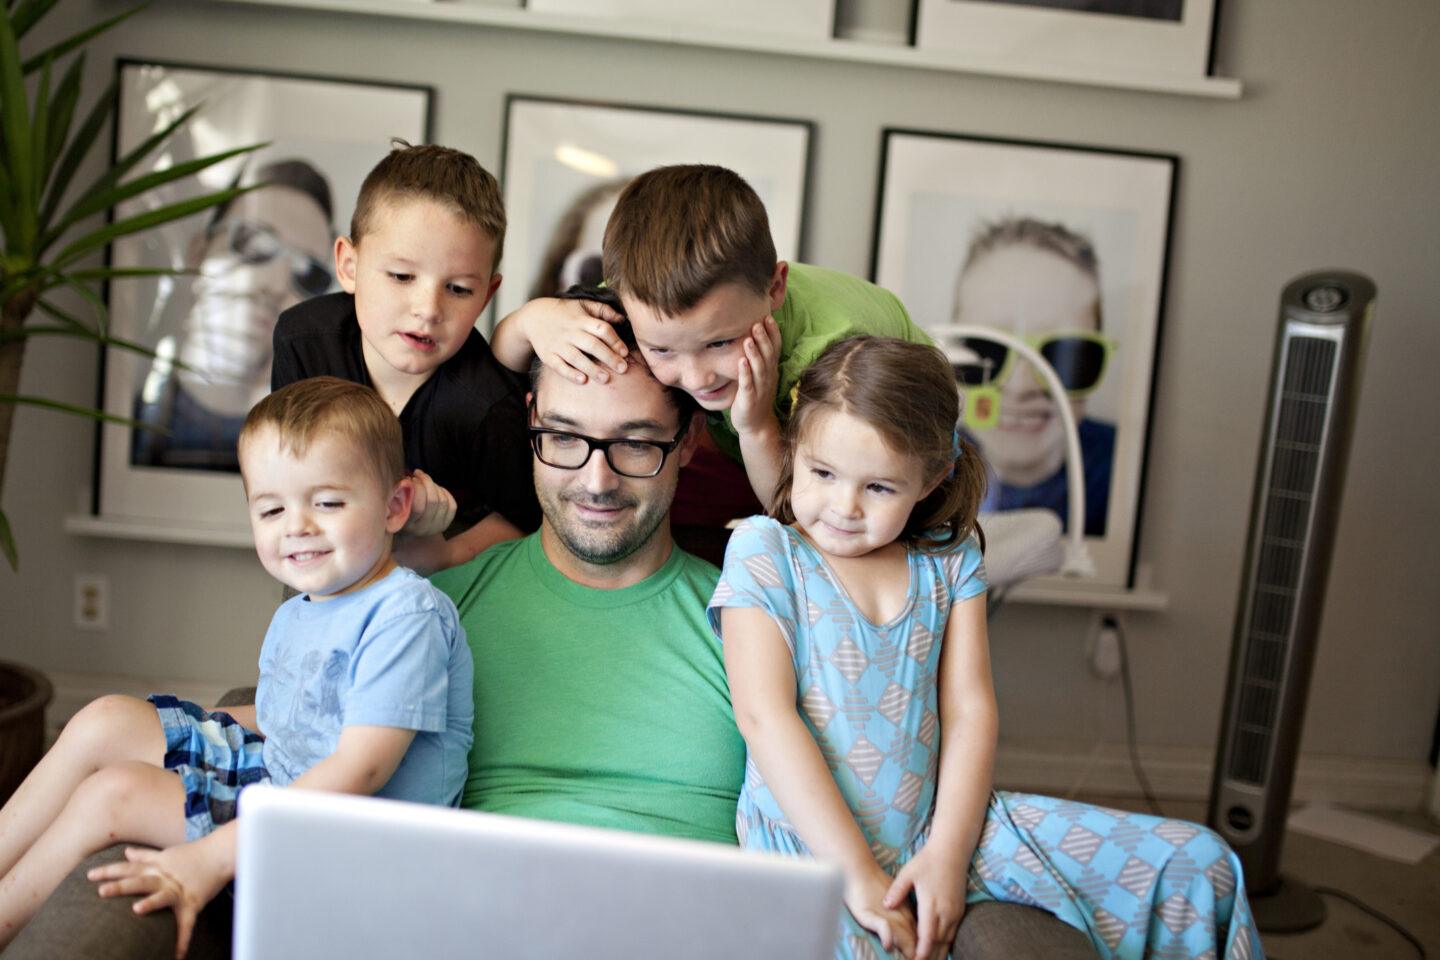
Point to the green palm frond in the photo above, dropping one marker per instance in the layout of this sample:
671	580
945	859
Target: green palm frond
7	543
42	150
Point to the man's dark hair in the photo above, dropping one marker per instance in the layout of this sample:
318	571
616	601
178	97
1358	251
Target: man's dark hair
684	404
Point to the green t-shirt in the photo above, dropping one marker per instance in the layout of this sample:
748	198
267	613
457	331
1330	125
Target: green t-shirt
822	306
601	707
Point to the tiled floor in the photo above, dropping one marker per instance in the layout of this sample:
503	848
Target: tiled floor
1410	895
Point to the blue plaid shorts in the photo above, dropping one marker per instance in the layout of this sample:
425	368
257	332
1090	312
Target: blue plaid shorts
215	757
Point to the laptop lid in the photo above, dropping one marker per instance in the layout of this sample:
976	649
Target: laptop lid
323	875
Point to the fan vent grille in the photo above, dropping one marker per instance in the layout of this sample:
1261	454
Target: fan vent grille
1305	398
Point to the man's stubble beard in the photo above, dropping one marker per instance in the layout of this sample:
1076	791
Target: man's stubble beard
604	546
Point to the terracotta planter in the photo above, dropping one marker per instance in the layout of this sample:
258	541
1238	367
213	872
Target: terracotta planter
24	694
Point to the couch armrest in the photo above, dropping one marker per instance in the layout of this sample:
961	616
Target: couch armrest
237	697
76	922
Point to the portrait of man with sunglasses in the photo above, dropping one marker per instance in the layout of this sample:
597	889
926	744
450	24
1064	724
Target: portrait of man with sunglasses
1040	281
264	252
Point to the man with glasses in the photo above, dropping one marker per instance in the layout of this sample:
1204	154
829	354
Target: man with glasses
600	691
262	253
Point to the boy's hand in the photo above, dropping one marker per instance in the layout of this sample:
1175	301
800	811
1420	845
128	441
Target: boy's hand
865	898
575	338
432	510
754	408
183	879
938	882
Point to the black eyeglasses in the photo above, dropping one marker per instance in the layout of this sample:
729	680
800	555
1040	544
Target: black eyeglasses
640	459
255	243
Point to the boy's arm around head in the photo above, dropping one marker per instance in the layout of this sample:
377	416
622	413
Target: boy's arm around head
753	412
575	337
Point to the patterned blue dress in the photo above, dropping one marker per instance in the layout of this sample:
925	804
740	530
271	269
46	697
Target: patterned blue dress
1138	886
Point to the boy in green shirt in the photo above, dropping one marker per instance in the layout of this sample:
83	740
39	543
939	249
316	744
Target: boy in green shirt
689	253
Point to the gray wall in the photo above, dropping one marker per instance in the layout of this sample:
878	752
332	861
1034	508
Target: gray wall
1328	160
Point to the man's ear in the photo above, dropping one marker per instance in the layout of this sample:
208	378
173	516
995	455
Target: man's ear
345	257
397	508
691	440
778	280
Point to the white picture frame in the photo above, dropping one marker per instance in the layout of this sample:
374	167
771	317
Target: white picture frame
327	128
565	161
808	19
939	194
1072	35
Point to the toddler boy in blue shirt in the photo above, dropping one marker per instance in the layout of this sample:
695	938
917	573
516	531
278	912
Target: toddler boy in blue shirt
365	682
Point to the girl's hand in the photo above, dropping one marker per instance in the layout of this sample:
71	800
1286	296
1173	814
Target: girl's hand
433	509
938	883
182	879
865	899
575	338
754	408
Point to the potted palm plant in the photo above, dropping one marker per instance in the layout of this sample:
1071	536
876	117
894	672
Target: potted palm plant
49	238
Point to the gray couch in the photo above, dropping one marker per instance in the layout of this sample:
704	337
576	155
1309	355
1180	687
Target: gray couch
75	922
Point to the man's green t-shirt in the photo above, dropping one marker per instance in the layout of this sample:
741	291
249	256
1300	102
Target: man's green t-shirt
601	707
821	307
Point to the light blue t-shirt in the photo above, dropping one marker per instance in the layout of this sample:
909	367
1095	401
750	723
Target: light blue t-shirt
390	655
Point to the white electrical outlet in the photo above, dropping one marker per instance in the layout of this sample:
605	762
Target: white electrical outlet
92	601
1102	648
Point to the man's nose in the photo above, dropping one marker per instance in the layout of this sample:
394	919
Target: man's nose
596	473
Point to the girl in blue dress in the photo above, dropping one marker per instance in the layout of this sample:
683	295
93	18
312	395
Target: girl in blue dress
853	622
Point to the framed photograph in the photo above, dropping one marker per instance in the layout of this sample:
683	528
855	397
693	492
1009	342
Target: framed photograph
565	162
266	251
810	19
1066	247
1108	37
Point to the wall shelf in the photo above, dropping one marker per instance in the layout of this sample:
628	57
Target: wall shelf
852	51
1078	593
118	528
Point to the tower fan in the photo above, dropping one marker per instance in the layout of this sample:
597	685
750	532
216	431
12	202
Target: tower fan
1314	389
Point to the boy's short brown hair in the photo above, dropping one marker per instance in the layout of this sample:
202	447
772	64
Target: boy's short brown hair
443	174
679	232
329	406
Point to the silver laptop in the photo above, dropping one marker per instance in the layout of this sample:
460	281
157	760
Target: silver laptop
322	875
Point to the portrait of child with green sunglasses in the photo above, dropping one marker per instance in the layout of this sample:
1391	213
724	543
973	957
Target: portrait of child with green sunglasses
1041	282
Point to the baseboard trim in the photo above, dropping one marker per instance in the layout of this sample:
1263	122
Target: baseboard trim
1055	767
1184	773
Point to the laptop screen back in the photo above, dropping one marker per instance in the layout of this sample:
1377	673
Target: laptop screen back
321	875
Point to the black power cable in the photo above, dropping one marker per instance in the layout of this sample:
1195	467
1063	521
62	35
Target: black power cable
1114	624
1366	908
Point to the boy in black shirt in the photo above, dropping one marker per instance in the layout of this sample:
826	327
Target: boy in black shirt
417	270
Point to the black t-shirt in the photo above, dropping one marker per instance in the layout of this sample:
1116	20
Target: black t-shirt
465	426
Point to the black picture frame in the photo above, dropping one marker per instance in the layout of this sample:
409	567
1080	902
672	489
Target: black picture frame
269	249
563	161
966	229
